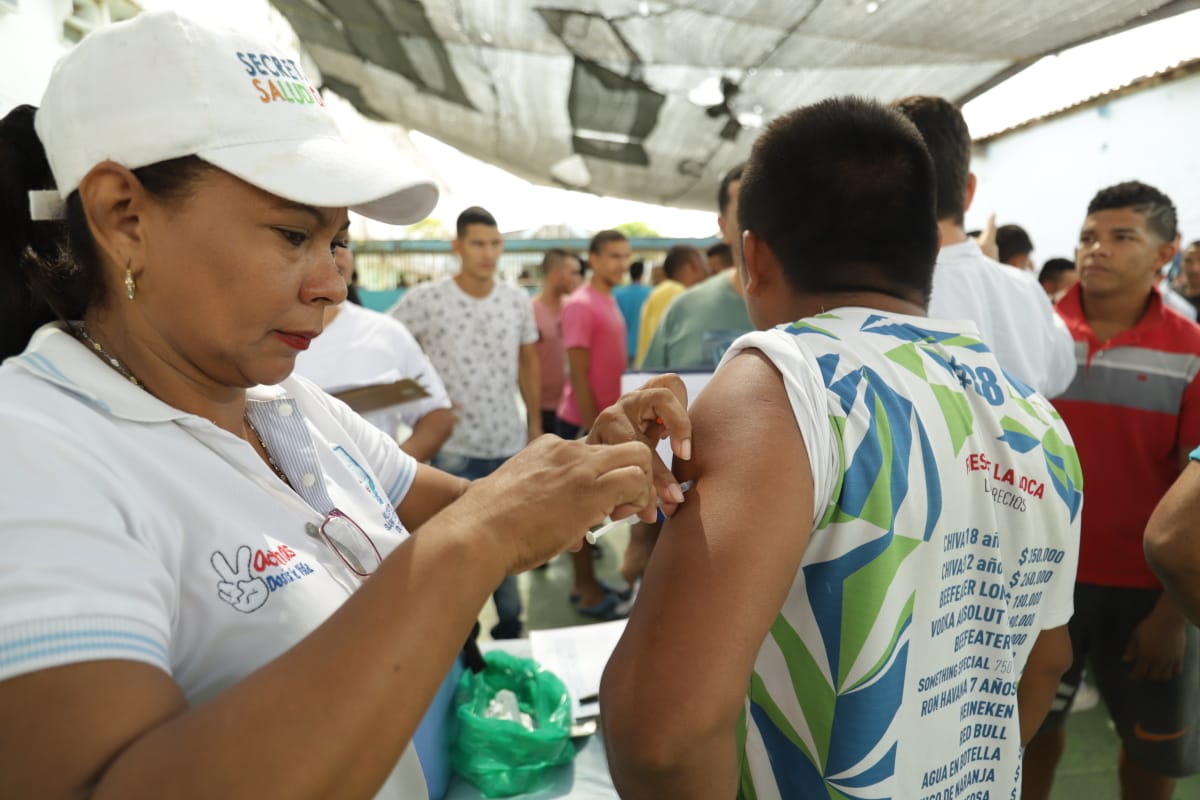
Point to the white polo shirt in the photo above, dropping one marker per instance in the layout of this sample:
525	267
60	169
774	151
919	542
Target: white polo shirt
362	347
132	530
1011	311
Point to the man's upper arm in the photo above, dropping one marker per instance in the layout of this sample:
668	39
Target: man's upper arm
527	353
578	361
528	366
1051	650
1048	659
723	565
1173	545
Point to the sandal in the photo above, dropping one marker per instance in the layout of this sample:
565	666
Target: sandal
622	594
608	609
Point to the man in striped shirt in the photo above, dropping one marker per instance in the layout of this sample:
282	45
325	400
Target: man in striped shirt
1133	409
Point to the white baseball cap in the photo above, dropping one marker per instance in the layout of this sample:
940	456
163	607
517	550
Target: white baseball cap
162	86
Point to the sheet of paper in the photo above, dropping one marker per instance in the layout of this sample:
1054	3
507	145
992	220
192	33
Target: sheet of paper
577	655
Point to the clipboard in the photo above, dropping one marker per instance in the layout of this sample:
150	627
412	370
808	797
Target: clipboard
382	395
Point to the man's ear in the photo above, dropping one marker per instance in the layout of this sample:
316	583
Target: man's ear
1165	252
969	194
759	263
115	203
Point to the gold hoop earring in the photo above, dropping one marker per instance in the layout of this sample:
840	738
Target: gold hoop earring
130	286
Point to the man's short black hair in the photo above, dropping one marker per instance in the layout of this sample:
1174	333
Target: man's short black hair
554	257
1012	240
1055	267
604	237
720	253
949	143
1155	206
730	178
842	192
474	216
636	270
678	257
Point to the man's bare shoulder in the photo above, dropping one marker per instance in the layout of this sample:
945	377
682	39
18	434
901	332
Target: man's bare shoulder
742	410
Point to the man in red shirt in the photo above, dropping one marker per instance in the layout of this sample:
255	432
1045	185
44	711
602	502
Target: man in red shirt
1134	412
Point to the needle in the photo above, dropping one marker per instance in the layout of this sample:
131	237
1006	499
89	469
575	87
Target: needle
609	526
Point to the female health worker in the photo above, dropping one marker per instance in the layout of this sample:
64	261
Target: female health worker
207	583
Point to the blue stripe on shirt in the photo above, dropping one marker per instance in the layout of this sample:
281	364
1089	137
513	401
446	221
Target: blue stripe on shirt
403	482
35	647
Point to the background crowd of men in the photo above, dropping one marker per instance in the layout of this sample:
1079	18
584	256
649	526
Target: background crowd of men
1105	335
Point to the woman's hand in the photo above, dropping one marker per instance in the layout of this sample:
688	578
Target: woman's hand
647	415
543	500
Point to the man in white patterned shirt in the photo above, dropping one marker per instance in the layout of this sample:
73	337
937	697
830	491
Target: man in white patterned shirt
480	335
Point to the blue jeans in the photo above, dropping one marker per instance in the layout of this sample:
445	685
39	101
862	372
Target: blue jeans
506	597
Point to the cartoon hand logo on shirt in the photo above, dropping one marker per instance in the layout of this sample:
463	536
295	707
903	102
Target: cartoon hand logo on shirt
239	588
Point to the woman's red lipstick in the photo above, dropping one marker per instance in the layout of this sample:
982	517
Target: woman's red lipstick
297	340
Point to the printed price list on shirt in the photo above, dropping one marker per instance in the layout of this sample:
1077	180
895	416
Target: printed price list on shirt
983	616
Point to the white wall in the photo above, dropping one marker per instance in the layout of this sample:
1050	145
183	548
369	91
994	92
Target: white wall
1043	177
30	42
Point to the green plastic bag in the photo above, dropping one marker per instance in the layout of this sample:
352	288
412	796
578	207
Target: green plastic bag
502	757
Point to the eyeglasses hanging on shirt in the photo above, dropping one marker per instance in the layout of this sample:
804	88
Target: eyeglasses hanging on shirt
351	543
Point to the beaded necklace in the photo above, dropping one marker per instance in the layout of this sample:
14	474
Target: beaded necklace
81	333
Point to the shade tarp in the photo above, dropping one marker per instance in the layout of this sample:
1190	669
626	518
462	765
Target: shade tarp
654	100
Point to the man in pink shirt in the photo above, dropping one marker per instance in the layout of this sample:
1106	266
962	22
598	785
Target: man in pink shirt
561	275
593	333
